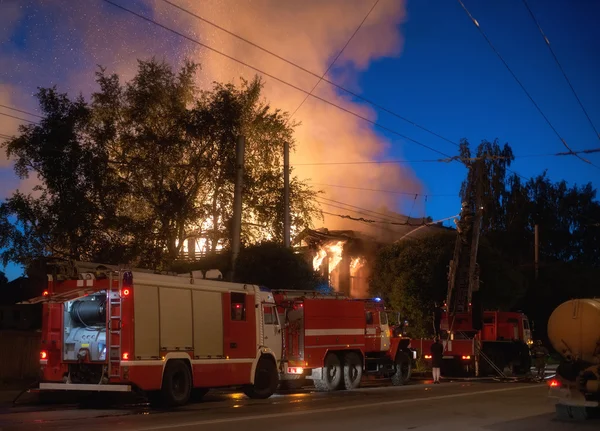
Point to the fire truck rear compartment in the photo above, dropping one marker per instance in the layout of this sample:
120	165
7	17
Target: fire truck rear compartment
84	342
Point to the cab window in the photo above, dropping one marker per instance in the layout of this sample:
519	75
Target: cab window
269	313
369	317
383	320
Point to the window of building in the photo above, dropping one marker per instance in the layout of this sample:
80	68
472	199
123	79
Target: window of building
238	306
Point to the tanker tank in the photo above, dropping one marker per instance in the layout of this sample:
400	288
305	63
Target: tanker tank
574	331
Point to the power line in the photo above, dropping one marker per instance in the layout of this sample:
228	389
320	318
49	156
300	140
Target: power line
382	162
21	111
476	23
379	190
336	58
369	221
383	216
322	78
17	118
560	67
361	211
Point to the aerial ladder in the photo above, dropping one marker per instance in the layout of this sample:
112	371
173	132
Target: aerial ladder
464	314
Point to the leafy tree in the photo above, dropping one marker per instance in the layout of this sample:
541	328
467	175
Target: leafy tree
411	275
145	165
497	160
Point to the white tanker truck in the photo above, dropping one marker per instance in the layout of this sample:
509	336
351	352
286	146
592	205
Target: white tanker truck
574	331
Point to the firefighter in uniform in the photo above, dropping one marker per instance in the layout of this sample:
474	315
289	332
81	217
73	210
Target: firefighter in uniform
540	353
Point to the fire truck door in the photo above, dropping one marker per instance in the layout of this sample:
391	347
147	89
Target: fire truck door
273	334
385	331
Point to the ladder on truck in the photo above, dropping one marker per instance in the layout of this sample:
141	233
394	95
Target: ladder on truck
114	315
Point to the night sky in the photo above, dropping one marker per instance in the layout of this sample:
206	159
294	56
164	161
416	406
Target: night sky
444	76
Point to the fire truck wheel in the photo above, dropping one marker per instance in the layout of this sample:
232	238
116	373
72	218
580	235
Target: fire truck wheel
352	371
266	380
177	384
403	370
332	374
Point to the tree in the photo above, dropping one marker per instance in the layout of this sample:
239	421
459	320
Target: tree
145	165
497	160
411	276
274	266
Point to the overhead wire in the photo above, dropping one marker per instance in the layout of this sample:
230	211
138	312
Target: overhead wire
398	192
383	162
336	58
322	78
547	41
21	111
371	213
476	23
17	118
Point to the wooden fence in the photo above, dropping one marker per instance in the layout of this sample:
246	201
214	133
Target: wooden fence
19	355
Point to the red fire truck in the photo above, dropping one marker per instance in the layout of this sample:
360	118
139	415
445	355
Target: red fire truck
501	344
483	342
109	329
333	340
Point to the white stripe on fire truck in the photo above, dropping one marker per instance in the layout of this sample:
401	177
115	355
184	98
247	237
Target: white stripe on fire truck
323	332
157	362
331	346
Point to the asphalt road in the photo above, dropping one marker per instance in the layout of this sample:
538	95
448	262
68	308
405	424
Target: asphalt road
451	405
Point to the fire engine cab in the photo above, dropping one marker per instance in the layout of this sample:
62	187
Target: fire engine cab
333	340
109	329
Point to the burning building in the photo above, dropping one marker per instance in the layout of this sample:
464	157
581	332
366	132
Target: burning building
342	257
345	257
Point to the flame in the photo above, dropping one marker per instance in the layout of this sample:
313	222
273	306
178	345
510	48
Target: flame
356	265
333	250
318	260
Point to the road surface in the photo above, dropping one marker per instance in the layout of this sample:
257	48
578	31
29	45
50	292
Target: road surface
450	405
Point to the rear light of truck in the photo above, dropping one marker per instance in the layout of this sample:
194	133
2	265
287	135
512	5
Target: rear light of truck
125	356
466	357
554	383
45	293
295	370
43	355
427	356
126	292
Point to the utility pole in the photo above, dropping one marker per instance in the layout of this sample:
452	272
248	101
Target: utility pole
236	230
286	195
537	251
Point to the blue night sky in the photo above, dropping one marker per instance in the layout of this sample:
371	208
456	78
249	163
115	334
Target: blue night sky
446	78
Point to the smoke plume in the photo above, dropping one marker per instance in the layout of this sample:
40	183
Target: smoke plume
309	33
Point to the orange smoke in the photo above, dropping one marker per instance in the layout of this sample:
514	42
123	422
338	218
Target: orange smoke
310	33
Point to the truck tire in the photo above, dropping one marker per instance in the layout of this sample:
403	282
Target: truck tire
176	385
403	369
352	370
332	374
266	380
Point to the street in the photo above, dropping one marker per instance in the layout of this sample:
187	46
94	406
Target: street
422	406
